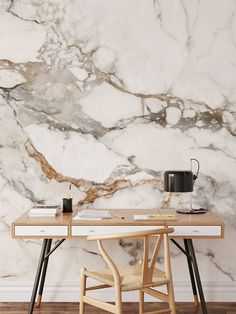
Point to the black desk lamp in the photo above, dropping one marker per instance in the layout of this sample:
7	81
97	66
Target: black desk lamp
183	181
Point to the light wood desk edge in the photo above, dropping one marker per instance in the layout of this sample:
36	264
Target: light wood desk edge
208	219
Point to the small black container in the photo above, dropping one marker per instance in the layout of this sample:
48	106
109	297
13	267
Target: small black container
67	205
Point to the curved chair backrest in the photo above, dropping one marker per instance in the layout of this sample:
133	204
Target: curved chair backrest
148	263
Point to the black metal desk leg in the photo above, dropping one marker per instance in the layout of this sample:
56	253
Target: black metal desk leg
37	277
190	268
197	276
45	265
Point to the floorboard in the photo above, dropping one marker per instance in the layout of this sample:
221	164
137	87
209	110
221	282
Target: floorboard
128	308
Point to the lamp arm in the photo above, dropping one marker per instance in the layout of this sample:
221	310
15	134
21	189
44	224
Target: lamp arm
198	168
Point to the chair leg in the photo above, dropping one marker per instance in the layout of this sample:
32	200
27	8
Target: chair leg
141	302
170	290
118	301
82	291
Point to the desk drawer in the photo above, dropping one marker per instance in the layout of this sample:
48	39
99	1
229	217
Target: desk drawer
193	231
41	231
98	230
196	231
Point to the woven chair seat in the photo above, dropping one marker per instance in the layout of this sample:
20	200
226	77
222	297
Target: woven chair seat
131	277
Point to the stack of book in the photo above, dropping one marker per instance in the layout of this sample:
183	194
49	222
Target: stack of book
44	211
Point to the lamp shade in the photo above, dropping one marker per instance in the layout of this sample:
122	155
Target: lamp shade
178	181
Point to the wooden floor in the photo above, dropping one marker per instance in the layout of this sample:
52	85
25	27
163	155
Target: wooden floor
129	308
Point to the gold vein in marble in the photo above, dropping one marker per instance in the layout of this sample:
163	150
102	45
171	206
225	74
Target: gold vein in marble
93	190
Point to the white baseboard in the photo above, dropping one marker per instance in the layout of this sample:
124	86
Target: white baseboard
16	291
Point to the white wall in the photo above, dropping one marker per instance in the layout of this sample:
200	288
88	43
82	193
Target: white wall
107	95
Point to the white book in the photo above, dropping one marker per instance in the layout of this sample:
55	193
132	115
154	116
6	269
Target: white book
91	214
39	211
41	215
45	206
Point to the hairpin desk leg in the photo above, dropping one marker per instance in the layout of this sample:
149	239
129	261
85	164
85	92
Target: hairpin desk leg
37	277
44	271
190	268
197	275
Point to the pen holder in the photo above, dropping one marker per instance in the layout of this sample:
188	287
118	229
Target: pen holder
67	205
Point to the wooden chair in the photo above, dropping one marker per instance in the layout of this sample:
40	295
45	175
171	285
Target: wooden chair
143	276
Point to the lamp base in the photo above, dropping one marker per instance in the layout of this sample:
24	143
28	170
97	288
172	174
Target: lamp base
192	211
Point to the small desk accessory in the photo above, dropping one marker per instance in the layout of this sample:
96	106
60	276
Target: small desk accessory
183	181
118	216
67	202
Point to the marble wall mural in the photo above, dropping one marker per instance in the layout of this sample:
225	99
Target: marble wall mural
106	95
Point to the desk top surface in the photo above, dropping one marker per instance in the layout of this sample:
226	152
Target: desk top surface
207	219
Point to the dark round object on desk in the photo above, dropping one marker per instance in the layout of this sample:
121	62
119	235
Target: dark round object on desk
178	181
192	211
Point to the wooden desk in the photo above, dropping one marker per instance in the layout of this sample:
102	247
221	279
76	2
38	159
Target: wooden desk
186	227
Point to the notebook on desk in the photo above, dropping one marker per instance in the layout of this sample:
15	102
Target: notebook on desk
155	217
91	214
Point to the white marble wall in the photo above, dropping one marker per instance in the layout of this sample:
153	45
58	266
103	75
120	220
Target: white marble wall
107	95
